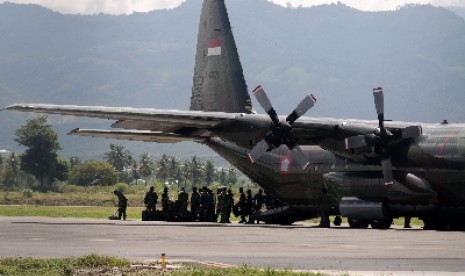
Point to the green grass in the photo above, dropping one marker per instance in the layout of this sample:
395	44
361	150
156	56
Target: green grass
103	265
66	266
67	211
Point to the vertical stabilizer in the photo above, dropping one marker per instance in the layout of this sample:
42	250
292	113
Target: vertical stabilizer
218	83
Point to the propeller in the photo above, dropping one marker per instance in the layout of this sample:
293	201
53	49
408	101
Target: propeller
280	131
382	137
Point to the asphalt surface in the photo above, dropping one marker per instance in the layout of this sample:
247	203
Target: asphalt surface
297	247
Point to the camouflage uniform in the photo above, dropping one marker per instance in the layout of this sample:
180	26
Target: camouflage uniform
182	204
241	205
325	206
150	200
230	199
225	205
248	205
195	204
204	204
165	203
122	204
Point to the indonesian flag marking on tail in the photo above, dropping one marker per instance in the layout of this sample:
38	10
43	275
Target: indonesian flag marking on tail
214	47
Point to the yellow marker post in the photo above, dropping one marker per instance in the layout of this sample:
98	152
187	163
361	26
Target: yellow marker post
163	261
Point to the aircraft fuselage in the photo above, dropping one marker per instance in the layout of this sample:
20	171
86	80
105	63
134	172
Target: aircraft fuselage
428	170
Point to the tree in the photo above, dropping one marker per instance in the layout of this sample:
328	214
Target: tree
62	169
196	166
13	163
122	161
223	177
74	161
186	172
7	176
162	168
173	170
232	176
92	173
40	159
119	157
210	172
145	166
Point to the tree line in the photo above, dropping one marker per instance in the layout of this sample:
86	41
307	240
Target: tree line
41	164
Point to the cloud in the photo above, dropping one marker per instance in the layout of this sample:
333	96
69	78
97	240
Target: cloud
371	5
130	6
102	6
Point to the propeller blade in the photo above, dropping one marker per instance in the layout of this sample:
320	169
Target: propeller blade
264	101
411	132
258	150
355	142
379	100
387	171
300	157
307	103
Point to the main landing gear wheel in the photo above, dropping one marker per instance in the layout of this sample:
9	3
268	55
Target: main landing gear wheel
381	223
358	223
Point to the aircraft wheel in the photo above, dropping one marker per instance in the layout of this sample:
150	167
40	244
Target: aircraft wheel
358	223
457	225
381	223
337	221
434	224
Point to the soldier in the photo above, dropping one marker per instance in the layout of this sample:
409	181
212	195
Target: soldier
259	200
230	198
325	205
122	204
225	205
219	197
211	206
195	204
204	204
249	205
241	205
182	204
268	201
150	200
165	204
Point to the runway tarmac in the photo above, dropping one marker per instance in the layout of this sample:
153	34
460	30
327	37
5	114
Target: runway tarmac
297	247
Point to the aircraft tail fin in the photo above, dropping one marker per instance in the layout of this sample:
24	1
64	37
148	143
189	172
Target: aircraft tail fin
218	83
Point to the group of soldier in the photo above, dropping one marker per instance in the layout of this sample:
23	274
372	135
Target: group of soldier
205	205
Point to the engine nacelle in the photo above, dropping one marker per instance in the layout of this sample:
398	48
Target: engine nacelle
353	207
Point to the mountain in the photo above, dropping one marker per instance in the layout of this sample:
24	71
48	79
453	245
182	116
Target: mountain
147	59
458	10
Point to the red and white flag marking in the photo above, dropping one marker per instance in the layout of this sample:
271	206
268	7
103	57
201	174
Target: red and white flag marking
214	47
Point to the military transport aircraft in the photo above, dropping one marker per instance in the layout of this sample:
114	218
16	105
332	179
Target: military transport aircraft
375	170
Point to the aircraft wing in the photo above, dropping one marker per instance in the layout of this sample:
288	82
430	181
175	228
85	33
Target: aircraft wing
195	118
137	135
170	126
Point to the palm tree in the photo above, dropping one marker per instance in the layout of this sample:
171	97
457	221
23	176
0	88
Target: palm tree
119	157
186	172
162	168
145	166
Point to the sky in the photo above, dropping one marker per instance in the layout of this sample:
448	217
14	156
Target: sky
130	6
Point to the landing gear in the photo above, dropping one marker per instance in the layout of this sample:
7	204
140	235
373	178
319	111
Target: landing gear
381	223
375	223
451	223
358	223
